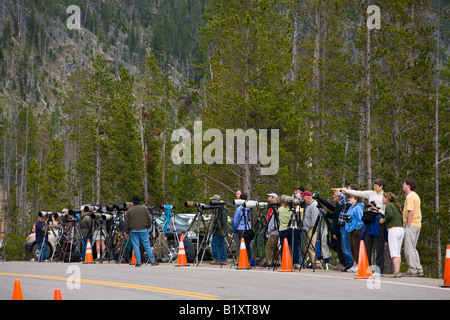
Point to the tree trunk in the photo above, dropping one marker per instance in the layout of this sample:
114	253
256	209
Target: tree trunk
144	158
368	116
436	153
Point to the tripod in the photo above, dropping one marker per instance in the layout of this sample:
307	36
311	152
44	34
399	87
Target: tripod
44	243
74	239
294	226
318	244
209	229
198	215
58	242
275	221
239	234
177	239
108	242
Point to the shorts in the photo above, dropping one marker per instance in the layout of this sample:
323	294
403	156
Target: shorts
395	239
99	235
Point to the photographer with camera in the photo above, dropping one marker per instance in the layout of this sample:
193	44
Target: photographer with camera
286	231
100	235
242	225
41	237
336	241
374	230
310	216
219	232
86	228
342	219
136	225
271	253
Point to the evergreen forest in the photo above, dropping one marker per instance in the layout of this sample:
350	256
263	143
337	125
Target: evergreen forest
87	115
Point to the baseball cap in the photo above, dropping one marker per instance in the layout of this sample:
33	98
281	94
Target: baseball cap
273	195
306	194
215	197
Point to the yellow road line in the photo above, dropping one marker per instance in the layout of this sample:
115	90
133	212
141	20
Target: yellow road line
122	285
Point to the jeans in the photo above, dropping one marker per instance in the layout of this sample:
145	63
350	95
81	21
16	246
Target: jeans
345	238
239	235
219	248
43	250
85	240
294	250
137	237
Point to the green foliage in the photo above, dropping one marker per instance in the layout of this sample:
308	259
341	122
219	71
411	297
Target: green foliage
77	128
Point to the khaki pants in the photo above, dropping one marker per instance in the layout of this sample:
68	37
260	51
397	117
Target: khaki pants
271	251
411	253
311	250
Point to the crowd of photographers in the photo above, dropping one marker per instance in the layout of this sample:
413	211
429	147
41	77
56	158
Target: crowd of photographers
311	226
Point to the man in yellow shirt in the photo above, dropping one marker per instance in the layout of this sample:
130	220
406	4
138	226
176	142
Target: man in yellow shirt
412	222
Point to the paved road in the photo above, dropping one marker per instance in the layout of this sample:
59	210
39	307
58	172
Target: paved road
109	281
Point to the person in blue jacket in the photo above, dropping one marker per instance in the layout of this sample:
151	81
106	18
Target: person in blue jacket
354	227
242	226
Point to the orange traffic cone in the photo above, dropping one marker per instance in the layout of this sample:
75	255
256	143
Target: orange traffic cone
363	263
182	260
243	258
133	259
88	258
447	268
57	295
286	260
17	292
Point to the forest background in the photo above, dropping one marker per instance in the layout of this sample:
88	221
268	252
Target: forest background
86	115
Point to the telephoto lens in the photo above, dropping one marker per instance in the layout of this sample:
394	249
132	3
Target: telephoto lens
238	202
254	204
192	204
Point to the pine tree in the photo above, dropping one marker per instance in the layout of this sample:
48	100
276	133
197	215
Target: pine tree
55	182
99	90
249	54
122	161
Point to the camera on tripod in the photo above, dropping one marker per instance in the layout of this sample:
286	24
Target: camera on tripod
192	204
321	201
293	202
238	202
74	212
255	204
153	212
209	207
217	203
124	207
49	215
274	204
